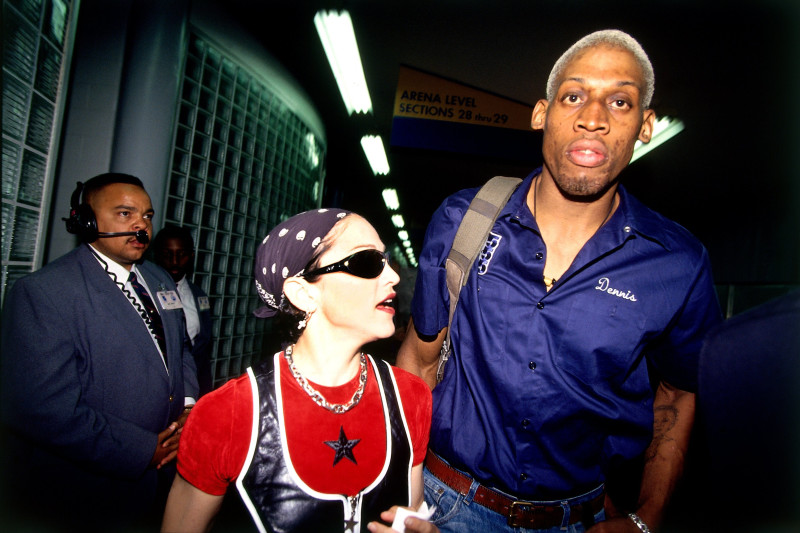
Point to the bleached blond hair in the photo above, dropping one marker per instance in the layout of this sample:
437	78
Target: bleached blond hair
614	39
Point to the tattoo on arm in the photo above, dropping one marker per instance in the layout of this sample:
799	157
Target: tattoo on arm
664	419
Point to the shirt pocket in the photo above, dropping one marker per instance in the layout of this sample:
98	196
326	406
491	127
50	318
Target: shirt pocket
487	330
602	342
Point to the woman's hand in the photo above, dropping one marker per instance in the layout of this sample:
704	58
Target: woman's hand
413	525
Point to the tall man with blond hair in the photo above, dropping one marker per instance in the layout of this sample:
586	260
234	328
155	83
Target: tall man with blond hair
580	328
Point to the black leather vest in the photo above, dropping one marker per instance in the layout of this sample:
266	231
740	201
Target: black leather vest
280	502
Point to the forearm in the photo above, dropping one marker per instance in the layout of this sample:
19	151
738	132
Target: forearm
417	487
426	370
420	355
665	457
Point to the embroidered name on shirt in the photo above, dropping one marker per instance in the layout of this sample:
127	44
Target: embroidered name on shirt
604	284
485	257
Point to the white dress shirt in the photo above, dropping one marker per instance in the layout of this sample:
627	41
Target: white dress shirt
189	309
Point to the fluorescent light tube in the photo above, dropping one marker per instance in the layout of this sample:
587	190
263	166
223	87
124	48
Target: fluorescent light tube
398	221
411	258
376	155
335	30
664	129
390	199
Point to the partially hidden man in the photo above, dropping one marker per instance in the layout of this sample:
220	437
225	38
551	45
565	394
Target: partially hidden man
582	318
96	374
173	250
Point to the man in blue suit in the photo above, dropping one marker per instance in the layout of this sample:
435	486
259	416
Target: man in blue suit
173	250
96	377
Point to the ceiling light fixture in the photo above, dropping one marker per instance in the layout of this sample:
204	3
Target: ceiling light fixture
403	234
411	258
664	129
376	155
390	199
398	221
335	30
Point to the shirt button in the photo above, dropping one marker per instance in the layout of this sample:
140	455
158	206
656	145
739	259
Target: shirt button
539	255
170	397
525	422
532	365
540	305
523	476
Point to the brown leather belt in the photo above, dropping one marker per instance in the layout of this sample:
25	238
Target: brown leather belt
519	513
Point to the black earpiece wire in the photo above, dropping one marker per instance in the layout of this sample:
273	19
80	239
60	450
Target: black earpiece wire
136	304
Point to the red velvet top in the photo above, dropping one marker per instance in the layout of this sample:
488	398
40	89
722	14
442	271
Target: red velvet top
217	434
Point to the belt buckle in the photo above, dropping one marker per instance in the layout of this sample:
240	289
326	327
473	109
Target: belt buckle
523	507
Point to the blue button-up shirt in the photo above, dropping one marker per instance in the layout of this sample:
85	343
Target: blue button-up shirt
547	391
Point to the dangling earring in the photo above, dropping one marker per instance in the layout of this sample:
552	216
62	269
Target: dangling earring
306	316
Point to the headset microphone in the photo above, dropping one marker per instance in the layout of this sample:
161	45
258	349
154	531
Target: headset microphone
140	235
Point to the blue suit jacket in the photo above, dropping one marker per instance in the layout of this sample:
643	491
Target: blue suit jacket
201	348
84	389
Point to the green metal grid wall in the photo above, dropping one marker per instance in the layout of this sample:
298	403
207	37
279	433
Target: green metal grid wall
242	161
35	47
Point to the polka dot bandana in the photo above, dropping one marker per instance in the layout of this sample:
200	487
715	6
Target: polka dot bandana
286	251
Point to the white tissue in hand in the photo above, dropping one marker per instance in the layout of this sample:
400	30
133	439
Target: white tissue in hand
402	513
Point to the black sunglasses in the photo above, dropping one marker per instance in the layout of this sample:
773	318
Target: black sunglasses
367	264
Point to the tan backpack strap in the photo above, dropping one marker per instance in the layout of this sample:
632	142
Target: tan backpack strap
468	242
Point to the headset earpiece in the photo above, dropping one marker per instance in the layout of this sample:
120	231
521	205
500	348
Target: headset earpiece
81	221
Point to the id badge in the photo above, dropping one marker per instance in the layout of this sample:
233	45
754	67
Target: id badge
169	300
203	303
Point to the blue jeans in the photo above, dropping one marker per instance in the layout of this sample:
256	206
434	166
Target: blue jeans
457	513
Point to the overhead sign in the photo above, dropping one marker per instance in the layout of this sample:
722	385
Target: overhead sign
436	113
428	97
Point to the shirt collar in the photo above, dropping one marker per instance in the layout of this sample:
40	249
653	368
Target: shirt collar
631	215
636	218
113	268
517	206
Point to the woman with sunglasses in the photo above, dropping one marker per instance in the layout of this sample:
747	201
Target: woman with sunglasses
321	437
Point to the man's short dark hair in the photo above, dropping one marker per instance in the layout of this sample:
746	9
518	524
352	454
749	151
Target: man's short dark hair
96	183
171	231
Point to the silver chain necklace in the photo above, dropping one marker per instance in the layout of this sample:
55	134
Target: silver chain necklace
549	282
317	396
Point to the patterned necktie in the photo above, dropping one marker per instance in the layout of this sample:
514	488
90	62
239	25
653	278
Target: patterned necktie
155	325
